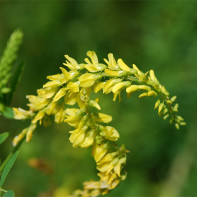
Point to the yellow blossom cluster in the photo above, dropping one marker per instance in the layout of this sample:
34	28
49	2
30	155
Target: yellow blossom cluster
73	87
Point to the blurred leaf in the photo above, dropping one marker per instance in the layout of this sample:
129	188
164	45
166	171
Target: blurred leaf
7	168
9	193
3	137
8	112
14	81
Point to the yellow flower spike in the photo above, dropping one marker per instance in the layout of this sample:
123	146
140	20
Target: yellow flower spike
152	93
114	73
30	131
119	86
60	94
74	86
88	79
21	114
99	86
19	137
132	88
39	116
109	84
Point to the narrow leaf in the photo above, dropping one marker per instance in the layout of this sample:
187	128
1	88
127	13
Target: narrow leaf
9	193
7	168
3	137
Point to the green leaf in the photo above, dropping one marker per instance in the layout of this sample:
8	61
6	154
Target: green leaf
14	81
3	137
9	193
7	168
8	112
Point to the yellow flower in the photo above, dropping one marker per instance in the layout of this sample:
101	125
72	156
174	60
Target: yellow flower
21	114
89	139
37	102
115	73
88	79
112	64
153	77
60	114
111	133
93	66
72	63
73	86
52	84
99	86
103	118
119	86
99	151
38	116
19	137
46	92
118	166
124	67
109	84
132	88
60	94
30	131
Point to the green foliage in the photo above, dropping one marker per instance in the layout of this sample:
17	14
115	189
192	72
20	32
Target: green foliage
3	137
9	193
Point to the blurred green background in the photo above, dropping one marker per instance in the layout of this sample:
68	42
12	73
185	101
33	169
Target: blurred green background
153	35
